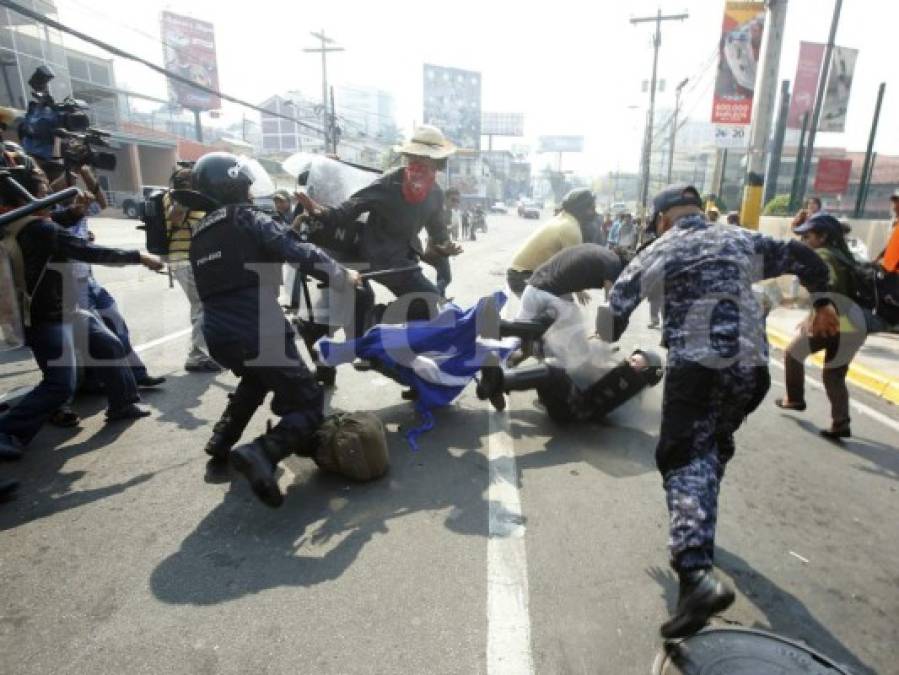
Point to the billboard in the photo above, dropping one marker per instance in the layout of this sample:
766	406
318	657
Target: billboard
805	85
832	175
188	47
738	58
561	144
839	86
502	124
452	102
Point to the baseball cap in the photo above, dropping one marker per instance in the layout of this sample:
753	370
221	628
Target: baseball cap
675	195
820	222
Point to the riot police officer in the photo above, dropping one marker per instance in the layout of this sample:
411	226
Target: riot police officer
236	253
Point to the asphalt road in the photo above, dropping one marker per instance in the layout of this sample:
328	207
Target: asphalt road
504	545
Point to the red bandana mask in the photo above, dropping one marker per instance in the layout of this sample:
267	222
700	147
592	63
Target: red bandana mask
418	179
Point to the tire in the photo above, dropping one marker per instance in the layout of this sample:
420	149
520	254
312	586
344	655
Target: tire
129	208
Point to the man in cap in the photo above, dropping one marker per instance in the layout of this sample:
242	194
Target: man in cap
399	205
717	369
565	229
283	212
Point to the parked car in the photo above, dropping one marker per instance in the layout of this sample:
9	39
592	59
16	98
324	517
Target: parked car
130	201
527	209
498	207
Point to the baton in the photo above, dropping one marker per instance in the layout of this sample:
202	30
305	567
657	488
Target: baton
387	273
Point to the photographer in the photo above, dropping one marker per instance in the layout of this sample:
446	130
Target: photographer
40	246
179	224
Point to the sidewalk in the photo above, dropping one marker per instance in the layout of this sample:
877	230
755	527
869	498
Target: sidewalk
875	368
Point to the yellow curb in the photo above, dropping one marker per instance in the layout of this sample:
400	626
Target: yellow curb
861	376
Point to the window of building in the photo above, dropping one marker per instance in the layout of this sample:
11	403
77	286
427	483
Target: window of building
99	73
270	143
78	69
288	142
269	126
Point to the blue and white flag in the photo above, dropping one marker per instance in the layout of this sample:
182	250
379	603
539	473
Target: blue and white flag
436	358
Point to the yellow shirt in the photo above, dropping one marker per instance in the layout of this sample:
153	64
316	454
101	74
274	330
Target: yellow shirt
560	232
179	226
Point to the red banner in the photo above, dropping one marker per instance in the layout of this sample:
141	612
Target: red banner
189	51
832	176
805	86
741	40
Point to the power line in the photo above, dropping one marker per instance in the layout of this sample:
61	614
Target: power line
52	23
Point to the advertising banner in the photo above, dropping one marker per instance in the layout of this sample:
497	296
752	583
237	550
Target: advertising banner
832	176
839	86
502	124
452	103
560	144
741	40
805	84
189	51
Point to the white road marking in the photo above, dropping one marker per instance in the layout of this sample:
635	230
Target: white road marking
855	405
508	620
161	341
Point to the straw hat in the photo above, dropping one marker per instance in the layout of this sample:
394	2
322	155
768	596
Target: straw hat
427	141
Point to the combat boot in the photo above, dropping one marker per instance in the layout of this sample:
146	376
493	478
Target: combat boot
228	429
258	460
702	595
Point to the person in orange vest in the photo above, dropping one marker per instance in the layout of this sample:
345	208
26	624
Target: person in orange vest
889	259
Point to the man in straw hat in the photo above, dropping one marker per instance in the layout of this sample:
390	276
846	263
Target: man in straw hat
399	205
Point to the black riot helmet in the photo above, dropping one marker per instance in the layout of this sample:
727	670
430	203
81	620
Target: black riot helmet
222	177
40	78
580	203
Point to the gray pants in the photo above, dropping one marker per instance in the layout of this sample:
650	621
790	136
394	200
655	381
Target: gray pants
184	275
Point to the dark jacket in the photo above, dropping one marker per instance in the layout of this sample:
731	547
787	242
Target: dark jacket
43	242
390	236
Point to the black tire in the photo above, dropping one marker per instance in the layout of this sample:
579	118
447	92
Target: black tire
129	208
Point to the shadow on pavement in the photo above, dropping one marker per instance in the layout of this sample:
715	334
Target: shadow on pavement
241	547
883	456
47	489
786	614
179	396
617	451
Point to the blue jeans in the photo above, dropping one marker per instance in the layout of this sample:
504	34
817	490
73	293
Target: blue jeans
53	346
103	304
444	273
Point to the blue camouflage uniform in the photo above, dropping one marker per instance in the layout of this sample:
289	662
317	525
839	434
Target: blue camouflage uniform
717	370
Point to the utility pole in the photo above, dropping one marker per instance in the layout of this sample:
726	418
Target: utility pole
868	165
819	99
673	141
777	146
797	170
650	119
324	50
762	112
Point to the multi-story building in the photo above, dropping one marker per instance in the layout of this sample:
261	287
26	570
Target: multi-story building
283	137
366	113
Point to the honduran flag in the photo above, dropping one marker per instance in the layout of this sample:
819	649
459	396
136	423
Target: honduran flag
436	358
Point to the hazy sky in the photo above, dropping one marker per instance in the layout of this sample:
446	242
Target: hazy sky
571	67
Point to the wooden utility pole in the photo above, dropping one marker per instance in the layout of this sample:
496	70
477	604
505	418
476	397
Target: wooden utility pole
324	50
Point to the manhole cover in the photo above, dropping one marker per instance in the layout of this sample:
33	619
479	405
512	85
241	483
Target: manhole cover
742	651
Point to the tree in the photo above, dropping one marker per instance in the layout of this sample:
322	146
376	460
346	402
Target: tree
779	206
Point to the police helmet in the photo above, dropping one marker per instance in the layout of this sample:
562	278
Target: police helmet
40	78
579	202
222	177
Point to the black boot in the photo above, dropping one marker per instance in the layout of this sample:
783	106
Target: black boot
257	461
702	595
490	387
227	430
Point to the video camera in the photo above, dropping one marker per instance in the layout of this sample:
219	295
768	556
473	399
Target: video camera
46	119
